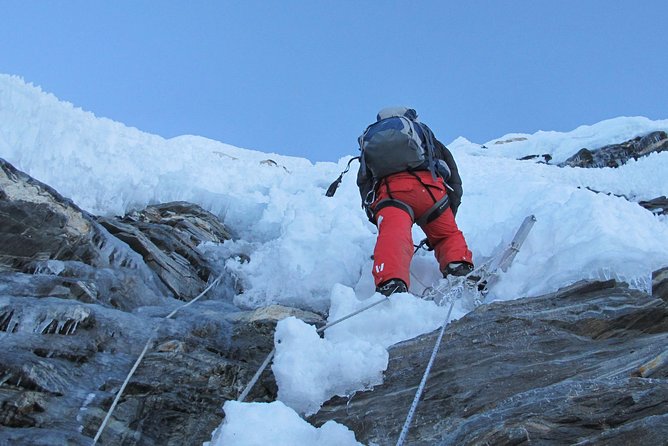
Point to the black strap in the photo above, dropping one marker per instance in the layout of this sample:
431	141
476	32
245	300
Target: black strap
391	202
387	188
430	148
424	243
331	190
435	211
423	185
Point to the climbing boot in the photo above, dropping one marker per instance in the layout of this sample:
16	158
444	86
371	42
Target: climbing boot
457	269
392	286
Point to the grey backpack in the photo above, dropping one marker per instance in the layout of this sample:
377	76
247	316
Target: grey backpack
392	145
396	142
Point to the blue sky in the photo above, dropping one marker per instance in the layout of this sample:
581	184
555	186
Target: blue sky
304	78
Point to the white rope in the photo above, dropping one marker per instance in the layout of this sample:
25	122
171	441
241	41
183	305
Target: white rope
141	356
253	380
417	279
120	391
423	382
206	290
264	365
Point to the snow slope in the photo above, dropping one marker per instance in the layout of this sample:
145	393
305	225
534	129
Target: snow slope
310	251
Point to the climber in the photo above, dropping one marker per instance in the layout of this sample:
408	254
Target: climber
407	176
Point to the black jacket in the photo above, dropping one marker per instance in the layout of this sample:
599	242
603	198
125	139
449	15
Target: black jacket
454	183
366	183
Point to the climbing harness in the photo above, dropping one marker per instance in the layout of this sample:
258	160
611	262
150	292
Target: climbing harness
436	210
141	356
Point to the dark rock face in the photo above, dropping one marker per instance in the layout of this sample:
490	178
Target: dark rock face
658	206
39	224
573	367
167	236
546	158
64	251
615	155
660	284
78	303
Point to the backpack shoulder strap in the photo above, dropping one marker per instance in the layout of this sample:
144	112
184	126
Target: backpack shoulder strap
360	141
430	147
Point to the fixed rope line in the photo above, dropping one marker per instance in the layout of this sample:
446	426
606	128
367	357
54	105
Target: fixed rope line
271	354
416	278
423	382
141	356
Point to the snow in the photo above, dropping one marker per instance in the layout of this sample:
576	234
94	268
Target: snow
313	252
276	424
564	145
310	370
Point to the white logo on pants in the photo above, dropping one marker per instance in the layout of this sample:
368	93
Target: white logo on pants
380	267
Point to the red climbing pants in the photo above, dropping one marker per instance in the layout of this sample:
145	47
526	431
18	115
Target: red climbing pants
394	245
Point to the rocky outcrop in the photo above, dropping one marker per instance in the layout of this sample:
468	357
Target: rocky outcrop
658	206
167	237
59	383
39	224
177	394
615	155
660	284
51	247
79	299
546	158
571	367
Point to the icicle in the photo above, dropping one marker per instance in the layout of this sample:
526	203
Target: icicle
73	328
43	327
5	378
5	320
68	327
